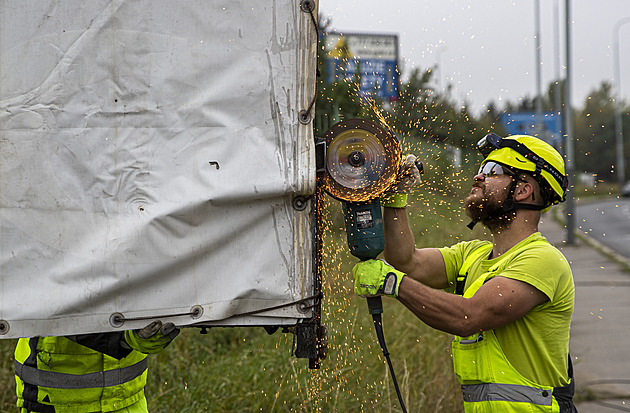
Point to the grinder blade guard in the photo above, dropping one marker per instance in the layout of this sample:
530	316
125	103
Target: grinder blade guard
362	160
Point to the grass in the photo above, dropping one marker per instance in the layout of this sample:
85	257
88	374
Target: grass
7	382
245	369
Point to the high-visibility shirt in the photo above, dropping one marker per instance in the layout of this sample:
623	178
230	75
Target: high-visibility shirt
56	374
523	366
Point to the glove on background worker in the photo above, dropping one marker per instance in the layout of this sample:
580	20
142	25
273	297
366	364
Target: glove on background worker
152	339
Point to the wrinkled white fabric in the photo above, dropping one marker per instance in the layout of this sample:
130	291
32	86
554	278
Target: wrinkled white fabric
149	157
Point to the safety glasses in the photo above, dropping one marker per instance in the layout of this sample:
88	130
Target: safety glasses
490	169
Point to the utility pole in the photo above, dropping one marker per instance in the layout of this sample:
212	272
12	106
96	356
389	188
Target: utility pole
539	122
620	167
568	117
557	60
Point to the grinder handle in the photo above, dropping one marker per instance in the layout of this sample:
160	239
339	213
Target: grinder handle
375	305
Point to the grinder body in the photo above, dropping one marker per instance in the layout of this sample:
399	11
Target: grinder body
364	228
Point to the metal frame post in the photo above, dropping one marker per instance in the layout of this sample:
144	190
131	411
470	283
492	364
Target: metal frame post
620	167
570	207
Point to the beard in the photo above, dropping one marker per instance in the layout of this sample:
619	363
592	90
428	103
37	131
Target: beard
486	208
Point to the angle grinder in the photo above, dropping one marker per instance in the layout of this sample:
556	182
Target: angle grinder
362	162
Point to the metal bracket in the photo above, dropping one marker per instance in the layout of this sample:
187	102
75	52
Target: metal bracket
304	117
306	337
311	343
299	203
320	155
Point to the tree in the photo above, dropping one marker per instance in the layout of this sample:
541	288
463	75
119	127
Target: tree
423	113
595	138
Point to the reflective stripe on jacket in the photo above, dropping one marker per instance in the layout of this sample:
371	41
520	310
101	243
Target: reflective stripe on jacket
489	381
55	374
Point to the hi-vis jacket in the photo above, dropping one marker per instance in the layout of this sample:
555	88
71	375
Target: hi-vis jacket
489	382
57	374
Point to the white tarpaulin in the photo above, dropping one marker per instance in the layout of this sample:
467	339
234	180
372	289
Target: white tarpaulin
150	153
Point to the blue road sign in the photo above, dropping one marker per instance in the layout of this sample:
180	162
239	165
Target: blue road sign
525	123
372	58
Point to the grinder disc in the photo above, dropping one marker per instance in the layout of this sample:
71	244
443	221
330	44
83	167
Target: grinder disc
362	160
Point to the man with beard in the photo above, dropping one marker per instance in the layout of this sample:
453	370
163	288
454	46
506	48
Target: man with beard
508	301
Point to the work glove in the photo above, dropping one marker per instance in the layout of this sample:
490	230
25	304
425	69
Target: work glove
376	277
153	338
408	177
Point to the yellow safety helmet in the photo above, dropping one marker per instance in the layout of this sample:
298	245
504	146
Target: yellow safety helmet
528	154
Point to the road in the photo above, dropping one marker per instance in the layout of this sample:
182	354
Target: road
608	221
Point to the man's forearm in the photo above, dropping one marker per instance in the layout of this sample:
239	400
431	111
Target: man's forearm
399	240
425	265
438	309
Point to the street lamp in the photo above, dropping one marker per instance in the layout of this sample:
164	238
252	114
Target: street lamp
618	121
539	121
568	119
439	52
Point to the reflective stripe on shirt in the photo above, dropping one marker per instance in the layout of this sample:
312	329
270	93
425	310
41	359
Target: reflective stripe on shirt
506	392
108	378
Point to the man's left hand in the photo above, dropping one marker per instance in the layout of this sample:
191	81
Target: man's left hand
153	338
376	277
408	177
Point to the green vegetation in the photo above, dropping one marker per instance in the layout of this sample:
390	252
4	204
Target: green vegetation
595	137
7	382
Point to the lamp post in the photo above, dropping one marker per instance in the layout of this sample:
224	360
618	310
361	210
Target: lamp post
568	118
620	167
558	62
439	52
539	121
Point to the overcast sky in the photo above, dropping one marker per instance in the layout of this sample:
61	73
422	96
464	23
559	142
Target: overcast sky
486	49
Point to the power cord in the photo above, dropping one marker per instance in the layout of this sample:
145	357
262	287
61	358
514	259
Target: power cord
375	304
